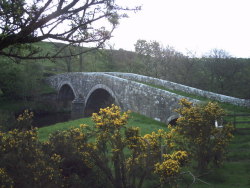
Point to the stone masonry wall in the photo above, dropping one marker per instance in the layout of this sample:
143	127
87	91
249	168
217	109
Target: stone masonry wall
180	87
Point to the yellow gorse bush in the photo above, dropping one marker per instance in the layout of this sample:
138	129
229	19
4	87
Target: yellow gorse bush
109	154
25	119
24	163
167	169
26	115
110	117
145	154
197	133
170	168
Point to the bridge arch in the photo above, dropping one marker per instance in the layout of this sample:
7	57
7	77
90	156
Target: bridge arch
100	96
66	95
172	119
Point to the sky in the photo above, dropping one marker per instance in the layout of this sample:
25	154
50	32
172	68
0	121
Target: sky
188	25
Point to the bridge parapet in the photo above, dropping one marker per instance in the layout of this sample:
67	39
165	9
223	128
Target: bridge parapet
180	87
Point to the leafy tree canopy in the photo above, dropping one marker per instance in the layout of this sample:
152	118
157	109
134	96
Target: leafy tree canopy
24	22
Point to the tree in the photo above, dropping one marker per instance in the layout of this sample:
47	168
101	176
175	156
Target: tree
18	81
23	23
142	48
10	79
81	60
162	62
223	70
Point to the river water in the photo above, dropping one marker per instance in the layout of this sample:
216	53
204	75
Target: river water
41	120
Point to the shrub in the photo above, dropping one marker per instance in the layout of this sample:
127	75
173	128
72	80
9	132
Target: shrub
125	157
24	120
197	133
23	162
76	168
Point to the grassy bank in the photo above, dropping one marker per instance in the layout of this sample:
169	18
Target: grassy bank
146	125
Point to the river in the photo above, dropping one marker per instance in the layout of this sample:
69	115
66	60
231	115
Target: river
41	120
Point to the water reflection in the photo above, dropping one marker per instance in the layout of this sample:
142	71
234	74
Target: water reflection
41	120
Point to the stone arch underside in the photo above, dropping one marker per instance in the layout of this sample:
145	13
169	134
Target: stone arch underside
100	97
65	97
172	120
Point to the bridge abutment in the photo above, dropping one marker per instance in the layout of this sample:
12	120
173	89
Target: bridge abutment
77	108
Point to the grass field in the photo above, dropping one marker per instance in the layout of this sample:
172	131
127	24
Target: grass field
234	173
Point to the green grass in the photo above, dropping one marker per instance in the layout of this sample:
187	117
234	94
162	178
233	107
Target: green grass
146	125
231	175
44	132
238	119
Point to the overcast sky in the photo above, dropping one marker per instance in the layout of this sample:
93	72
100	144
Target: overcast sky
195	25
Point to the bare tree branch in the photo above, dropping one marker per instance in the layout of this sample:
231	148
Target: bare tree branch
23	22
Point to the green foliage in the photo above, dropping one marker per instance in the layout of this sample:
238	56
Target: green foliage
199	131
158	61
31	78
10	82
7	120
22	80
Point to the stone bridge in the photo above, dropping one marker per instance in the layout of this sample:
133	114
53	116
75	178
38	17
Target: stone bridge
88	92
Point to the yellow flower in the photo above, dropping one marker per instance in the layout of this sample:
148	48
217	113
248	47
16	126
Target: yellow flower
83	125
167	169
